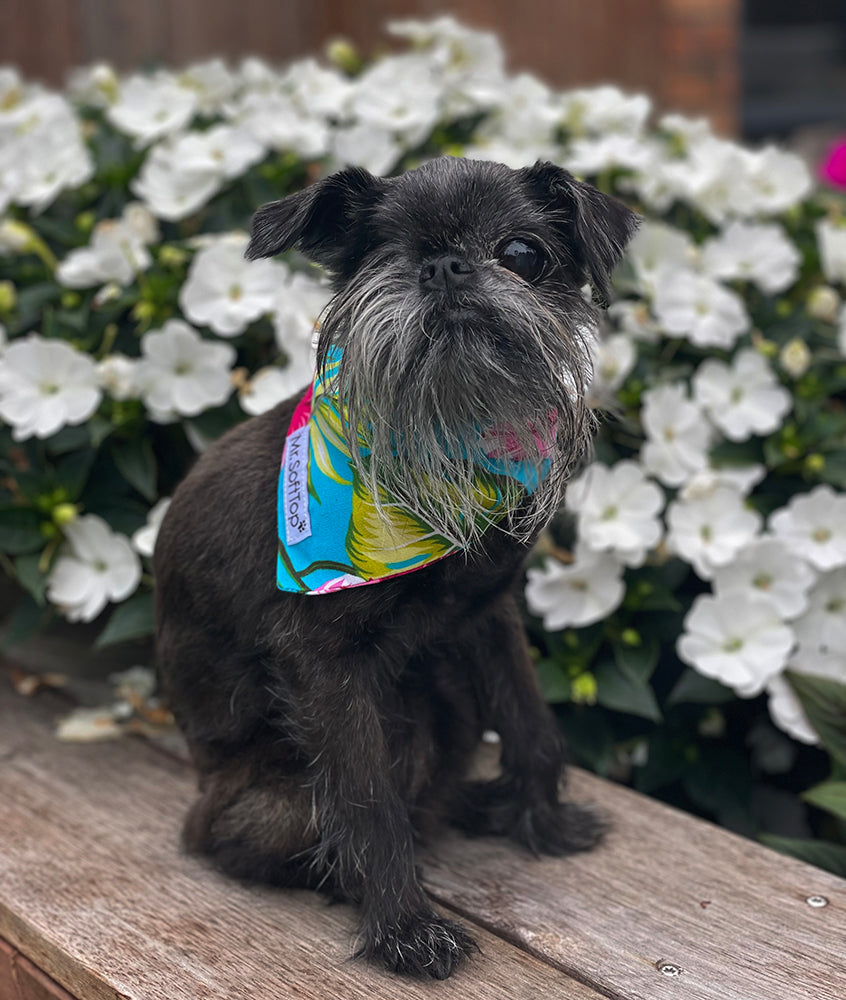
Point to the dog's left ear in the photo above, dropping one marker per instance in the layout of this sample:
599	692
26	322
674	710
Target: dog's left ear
597	227
326	221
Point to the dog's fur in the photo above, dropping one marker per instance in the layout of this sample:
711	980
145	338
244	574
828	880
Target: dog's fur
328	731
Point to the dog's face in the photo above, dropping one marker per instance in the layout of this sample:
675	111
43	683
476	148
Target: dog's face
459	312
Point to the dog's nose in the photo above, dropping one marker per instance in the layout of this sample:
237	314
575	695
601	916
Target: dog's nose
446	272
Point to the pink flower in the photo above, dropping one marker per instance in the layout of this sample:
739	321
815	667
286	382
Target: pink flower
833	167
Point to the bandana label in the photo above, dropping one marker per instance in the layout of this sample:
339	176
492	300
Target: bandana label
295	487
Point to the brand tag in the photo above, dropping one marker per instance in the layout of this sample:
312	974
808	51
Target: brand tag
295	487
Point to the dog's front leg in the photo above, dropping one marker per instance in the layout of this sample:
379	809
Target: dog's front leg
523	803
364	826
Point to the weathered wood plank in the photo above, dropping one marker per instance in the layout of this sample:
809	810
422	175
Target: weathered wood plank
94	891
664	888
21	980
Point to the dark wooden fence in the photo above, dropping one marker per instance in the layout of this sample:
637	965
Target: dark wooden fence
683	52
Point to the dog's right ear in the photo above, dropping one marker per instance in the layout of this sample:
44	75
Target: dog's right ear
326	221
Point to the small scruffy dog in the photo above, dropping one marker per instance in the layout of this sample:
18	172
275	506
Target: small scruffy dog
331	721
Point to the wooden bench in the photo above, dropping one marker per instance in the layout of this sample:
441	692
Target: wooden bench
97	903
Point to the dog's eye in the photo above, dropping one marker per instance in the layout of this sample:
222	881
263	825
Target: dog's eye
525	260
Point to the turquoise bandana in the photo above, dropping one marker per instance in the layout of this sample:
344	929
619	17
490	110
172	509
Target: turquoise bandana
331	533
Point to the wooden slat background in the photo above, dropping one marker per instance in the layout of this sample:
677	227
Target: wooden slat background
683	52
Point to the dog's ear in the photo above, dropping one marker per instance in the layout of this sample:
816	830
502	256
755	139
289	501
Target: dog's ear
326	221
596	226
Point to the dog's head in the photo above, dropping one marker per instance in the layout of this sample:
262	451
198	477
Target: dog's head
459	311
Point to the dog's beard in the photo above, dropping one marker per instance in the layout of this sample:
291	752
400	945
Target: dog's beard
421	382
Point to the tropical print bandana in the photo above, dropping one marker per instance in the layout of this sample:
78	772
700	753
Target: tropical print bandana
331	533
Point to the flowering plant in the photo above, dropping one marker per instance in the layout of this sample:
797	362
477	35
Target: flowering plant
688	606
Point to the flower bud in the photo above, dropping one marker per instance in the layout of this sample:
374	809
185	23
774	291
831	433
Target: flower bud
815	463
15	236
64	514
143	311
823	303
344	55
795	358
631	637
8	297
583	689
84	222
70	300
171	256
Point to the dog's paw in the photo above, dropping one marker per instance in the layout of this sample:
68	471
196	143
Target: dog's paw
426	945
559	829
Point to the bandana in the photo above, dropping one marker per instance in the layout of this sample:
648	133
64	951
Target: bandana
333	535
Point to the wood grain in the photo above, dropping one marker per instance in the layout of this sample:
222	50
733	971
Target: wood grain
21	980
94	891
664	888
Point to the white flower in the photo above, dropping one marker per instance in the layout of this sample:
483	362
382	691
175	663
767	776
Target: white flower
841	332
785	708
527	116
633	319
225	291
677	435
743	399
399	94
605	109
182	374
118	376
822	627
375	149
766	567
617	510
831	240
579	594
813	526
710	530
697	307
758	253
742	478
114	254
299	302
795	357
212	82
45	385
592	156
613	359
737	639
144	539
656	248
275	120
95	85
270	386
777	180
317	90
713	178
150	107
95	565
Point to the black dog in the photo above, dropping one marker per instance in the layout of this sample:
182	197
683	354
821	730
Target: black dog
329	730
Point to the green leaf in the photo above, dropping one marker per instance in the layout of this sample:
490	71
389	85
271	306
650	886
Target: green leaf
131	620
137	464
554	682
824	702
624	692
821	853
20	531
30	577
24	621
666	762
693	688
830	795
639	662
72	471
68	439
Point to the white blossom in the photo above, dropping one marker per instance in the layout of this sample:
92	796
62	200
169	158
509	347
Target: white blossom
767	568
398	94
45	385
813	526
709	531
144	539
822	627
605	109
758	253
617	510
785	708
742	399
579	594
300	300
695	306
181	374
677	435
613	359
736	639
117	375
274	120
591	156
115	253
831	240
212	82
95	565
225	291
778	180
375	149
151	107
656	248
272	385
742	478
841	331
633	318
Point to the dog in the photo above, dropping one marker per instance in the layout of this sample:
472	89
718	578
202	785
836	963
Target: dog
332	717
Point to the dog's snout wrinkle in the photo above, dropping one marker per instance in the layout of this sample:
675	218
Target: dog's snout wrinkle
446	272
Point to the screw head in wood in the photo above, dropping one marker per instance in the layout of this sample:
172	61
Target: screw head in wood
816	901
668	969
